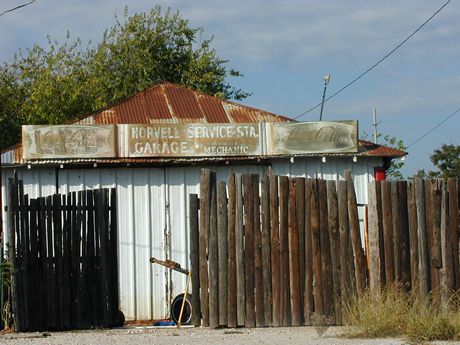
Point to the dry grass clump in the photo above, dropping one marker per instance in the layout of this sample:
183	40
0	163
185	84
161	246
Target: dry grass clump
396	313
382	316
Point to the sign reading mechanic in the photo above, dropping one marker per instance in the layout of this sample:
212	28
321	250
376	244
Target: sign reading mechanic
186	140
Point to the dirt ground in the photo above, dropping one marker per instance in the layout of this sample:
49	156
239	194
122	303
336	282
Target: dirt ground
198	336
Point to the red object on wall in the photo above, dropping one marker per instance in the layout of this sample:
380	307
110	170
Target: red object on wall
380	174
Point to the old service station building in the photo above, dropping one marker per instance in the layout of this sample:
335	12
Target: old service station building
152	146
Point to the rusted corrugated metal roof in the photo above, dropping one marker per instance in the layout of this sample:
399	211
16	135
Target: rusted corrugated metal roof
367	148
171	103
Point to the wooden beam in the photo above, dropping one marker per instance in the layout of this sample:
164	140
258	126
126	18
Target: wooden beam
231	297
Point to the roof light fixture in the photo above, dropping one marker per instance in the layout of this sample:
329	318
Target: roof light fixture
327	79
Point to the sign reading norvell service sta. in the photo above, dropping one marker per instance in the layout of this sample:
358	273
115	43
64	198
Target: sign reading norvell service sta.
189	140
198	140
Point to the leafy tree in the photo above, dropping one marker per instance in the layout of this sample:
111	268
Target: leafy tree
424	174
52	84
447	160
394	170
150	47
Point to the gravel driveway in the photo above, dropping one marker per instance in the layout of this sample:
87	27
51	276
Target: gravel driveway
188	335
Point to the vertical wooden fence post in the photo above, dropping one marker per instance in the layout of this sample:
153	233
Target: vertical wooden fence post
213	258
266	250
344	235
333	222
231	297
316	249
446	272
423	267
396	230
205	199
405	250
195	258
413	240
258	270
308	258
300	212
388	233
275	251
328	302
249	255
293	243
222	250
375	283
360	269
239	234
284	251
434	190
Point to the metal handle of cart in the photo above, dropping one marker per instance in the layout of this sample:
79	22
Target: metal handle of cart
176	267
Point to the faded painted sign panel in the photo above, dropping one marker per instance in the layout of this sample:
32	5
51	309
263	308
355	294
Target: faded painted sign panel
75	141
189	140
193	140
312	137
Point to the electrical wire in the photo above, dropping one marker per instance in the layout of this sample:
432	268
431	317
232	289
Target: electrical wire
432	129
377	63
17	7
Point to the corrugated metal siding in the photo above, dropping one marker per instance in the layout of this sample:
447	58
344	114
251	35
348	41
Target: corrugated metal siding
153	216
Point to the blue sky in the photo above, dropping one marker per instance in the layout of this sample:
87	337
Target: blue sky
284	48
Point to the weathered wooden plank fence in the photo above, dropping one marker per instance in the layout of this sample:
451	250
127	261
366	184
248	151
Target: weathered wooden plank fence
292	250
64	252
282	250
419	246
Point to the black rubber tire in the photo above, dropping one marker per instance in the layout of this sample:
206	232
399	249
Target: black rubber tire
175	309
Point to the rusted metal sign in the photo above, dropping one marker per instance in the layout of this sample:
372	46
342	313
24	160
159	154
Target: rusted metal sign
75	141
312	137
191	140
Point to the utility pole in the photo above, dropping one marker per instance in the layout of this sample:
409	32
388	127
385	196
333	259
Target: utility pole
375	124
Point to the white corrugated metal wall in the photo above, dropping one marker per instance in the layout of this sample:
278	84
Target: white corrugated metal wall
153	216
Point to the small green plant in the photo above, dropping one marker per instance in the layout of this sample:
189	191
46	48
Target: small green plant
397	313
6	270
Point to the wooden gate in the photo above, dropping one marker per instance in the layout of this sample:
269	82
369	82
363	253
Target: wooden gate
64	252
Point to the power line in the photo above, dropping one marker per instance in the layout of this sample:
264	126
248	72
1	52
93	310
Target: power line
432	129
378	62
17	7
